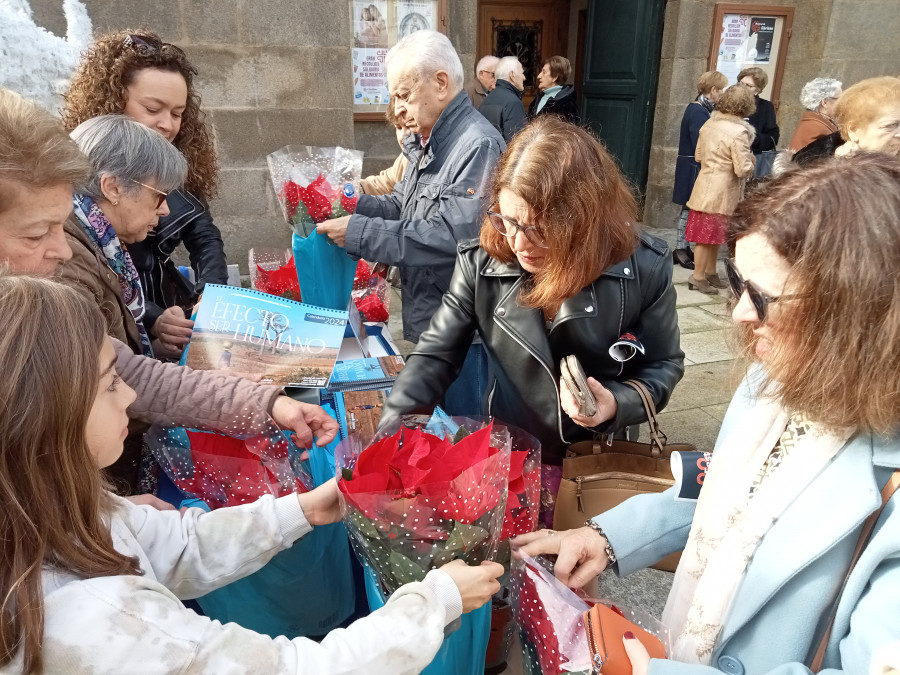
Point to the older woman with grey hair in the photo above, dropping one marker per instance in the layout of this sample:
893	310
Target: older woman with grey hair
133	168
818	97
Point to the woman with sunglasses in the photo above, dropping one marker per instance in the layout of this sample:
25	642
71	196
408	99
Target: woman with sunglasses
152	81
808	452
560	270
133	169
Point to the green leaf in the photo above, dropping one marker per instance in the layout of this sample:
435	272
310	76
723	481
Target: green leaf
463	537
461	433
347	473
362	524
405	570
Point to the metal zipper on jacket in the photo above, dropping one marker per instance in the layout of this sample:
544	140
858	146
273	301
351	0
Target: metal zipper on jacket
614	475
552	379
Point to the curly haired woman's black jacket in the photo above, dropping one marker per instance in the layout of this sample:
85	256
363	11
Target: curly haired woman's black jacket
190	223
767	131
563	104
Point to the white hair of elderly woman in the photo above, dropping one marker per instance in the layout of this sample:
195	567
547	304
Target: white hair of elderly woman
427	52
118	146
817	90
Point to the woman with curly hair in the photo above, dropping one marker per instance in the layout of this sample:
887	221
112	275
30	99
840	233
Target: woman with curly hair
151	81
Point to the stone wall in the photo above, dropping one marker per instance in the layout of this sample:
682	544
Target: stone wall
270	73
846	39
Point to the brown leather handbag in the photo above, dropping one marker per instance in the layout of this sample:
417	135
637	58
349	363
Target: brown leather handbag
598	475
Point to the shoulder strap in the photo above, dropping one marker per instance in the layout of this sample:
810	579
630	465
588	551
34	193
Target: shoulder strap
658	439
886	493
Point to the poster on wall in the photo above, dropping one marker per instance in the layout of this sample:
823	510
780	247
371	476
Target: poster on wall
747	40
377	26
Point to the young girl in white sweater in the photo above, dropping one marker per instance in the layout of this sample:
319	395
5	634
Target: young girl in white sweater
92	583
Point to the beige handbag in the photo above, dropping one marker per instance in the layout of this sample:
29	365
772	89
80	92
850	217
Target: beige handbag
598	475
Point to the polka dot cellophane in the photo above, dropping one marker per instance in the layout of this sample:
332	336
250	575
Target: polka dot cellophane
252	457
417	501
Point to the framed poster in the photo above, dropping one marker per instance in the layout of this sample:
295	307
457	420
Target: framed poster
751	35
377	26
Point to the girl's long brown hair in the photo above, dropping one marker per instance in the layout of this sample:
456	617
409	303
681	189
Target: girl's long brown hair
838	224
52	502
100	87
579	199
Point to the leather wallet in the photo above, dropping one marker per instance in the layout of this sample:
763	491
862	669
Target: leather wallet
605	627
576	382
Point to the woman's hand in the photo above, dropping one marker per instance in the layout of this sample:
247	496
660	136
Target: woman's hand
173	331
606	404
476	584
581	553
321	505
637	654
305	420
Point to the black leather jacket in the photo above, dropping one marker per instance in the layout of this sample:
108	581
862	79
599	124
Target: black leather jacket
635	295
189	222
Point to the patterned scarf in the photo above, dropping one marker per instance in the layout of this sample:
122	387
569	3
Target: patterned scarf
706	103
742	497
103	235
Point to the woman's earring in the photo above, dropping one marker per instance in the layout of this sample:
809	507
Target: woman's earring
115	203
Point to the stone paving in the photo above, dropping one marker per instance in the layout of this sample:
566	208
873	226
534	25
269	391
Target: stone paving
693	415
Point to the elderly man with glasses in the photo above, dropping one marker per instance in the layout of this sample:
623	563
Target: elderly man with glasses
484	81
441	199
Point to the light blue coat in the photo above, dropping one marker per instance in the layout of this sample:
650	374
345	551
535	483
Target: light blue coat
773	626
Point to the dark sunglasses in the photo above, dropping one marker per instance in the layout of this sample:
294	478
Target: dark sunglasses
145	45
509	228
758	299
160	195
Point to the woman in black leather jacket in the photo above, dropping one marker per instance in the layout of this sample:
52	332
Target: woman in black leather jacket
559	270
138	74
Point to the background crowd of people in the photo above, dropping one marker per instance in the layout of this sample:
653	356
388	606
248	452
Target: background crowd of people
518	244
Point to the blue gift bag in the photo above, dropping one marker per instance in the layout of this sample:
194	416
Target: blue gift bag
462	652
325	271
306	590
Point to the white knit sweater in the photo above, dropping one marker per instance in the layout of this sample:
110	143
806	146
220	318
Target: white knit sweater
137	624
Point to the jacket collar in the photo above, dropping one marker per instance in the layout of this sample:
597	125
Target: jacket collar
495	268
840	498
444	129
503	84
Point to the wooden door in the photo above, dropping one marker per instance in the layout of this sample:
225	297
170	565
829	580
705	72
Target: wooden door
621	69
530	30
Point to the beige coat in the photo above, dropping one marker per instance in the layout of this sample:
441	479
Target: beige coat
91	273
723	150
384	182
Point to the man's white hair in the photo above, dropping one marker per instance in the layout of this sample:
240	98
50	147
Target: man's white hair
426	52
488	62
505	66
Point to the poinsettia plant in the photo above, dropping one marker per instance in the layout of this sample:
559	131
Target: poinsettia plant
282	282
315	184
416	499
229	470
370	293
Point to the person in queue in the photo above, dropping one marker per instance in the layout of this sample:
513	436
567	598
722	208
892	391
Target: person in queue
40	166
819	98
75	555
503	106
808	443
556	97
726	162
383	183
453	151
151	81
484	80
559	270
761	117
868	118
709	88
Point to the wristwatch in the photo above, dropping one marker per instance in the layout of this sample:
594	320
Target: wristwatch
610	554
